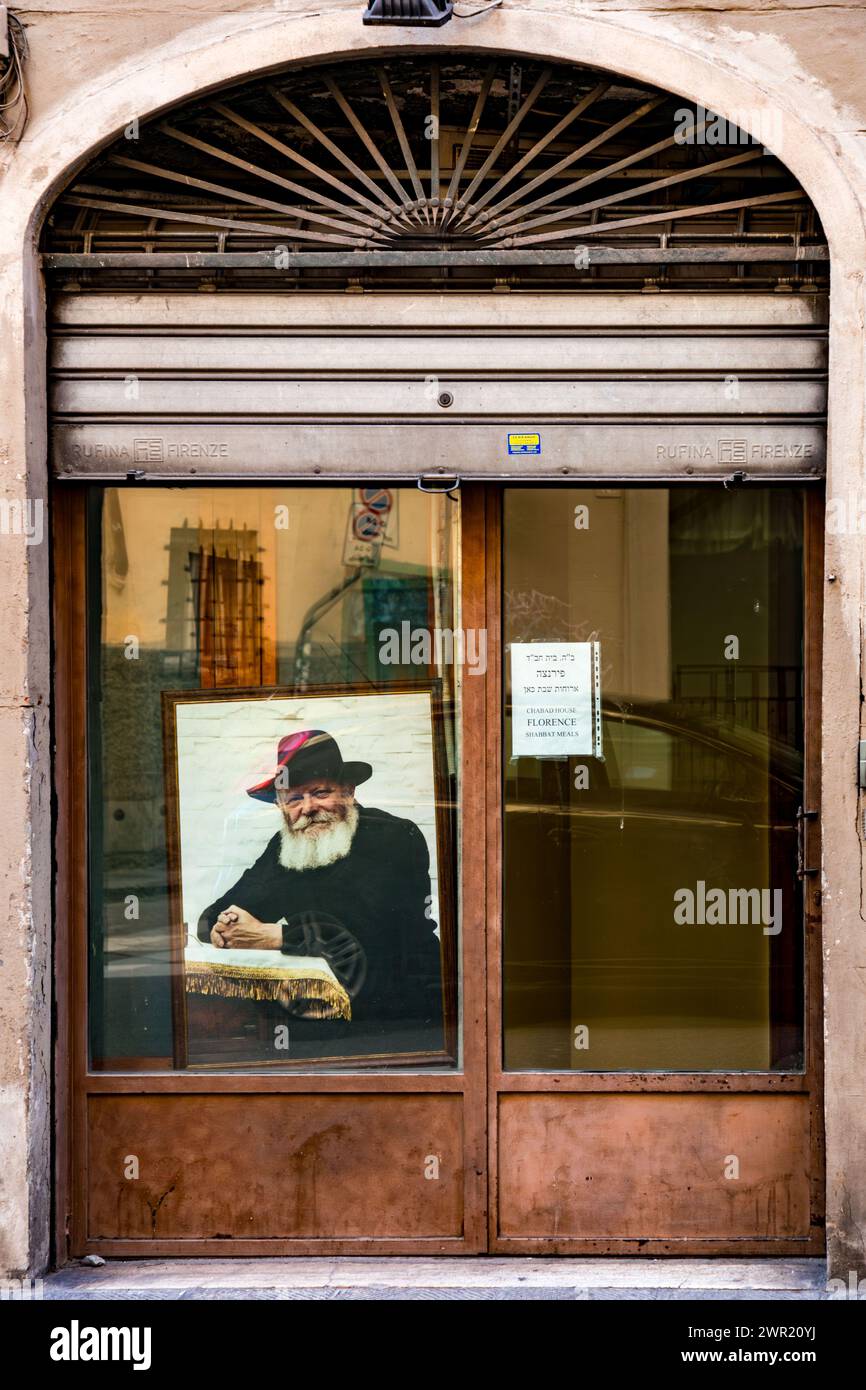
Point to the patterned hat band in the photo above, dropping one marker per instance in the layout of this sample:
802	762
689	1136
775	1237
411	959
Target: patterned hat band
309	756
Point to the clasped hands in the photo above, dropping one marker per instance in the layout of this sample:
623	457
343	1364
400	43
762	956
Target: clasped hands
238	930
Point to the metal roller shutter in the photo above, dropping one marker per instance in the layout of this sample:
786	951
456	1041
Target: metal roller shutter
398	386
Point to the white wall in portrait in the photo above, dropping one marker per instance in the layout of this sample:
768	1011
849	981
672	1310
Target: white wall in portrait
226	746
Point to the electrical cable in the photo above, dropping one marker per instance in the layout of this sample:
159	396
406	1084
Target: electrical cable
483	9
14	110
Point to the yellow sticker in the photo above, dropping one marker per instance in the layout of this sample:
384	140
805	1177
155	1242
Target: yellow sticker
524	444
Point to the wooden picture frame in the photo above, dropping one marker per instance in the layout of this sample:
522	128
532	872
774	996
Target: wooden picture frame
189	1053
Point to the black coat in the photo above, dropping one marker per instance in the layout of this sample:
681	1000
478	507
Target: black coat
366	914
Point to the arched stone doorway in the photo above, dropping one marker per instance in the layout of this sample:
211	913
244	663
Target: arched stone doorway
713	68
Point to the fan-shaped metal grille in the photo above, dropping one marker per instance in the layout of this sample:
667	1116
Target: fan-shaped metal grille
455	155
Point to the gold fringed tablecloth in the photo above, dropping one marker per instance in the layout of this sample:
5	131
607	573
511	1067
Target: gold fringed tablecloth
290	985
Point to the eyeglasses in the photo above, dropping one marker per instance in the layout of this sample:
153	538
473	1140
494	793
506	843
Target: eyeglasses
295	798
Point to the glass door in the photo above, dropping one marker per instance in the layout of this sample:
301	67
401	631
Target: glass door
657	820
270	872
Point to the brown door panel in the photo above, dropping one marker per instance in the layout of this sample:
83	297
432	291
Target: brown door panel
652	1167
271	1167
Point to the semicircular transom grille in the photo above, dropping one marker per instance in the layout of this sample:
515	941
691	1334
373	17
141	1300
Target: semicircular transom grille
412	153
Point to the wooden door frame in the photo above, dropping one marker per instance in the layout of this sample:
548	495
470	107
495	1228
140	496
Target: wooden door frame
482	1079
810	1081
75	1083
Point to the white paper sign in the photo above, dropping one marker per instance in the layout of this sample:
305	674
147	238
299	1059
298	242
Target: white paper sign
556	706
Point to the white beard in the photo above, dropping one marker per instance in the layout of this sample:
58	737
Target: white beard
300	850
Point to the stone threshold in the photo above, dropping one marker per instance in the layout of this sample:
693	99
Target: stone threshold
469	1277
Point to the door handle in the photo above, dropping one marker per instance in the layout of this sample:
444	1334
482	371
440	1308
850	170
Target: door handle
802	818
447	484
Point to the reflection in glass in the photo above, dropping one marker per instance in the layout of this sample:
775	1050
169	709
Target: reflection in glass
273	778
652	913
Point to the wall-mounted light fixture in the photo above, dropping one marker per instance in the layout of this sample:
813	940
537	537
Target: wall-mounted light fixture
430	13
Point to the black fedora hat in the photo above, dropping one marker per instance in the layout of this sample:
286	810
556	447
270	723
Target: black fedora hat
306	757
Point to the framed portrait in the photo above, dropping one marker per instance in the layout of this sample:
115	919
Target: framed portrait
310	846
